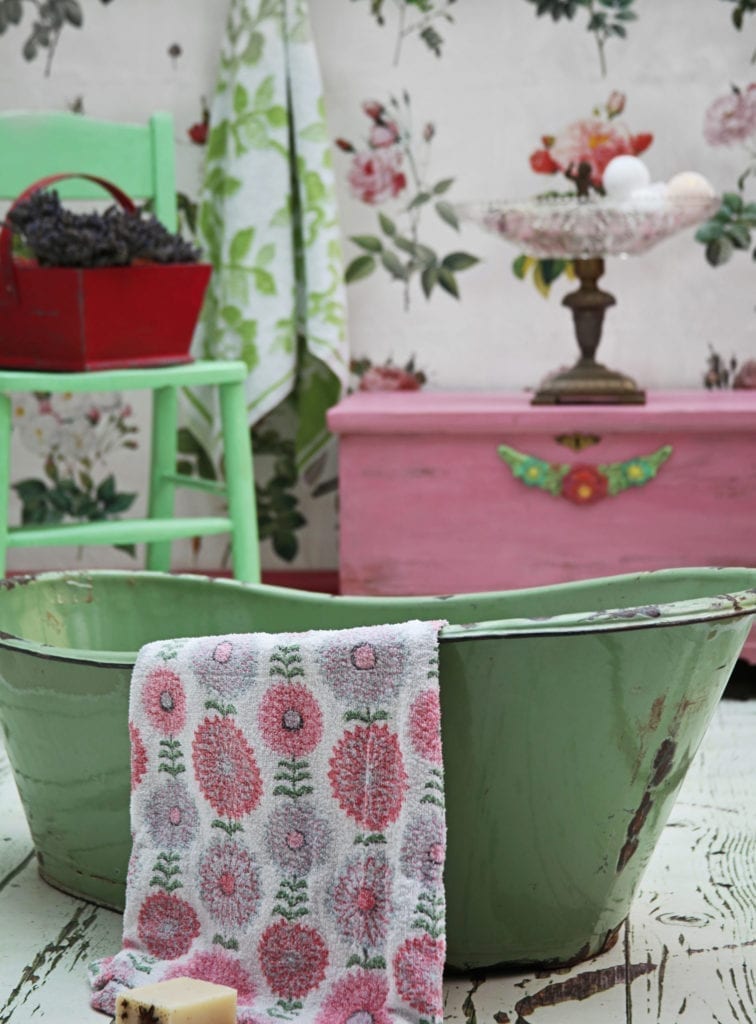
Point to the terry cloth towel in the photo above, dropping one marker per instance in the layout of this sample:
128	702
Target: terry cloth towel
268	223
288	824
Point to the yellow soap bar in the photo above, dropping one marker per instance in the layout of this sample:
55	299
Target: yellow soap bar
178	1001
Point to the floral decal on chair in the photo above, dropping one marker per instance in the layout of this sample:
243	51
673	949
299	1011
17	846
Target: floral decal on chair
391	166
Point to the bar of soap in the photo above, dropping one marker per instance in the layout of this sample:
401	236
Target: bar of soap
178	1001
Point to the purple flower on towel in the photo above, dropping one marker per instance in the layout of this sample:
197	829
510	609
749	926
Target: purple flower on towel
167	925
225	768
367	776
229	883
358	997
366	673
425	726
218	967
293	958
164	700
290	719
423	849
225	664
418	971
171	815
361	900
296	838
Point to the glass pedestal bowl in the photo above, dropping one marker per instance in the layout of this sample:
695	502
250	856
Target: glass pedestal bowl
586	229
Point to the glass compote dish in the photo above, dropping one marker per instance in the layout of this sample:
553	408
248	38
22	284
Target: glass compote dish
585	229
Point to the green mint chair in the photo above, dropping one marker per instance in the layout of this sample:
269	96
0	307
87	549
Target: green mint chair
139	159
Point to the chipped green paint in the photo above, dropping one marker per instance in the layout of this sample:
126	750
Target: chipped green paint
584	484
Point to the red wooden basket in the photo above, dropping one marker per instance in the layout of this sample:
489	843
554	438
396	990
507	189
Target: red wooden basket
63	318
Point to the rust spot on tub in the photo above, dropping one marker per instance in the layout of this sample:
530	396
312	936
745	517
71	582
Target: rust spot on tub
656	712
633	830
663	761
660	769
582	986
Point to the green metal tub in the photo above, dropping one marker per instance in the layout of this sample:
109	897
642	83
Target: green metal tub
570	715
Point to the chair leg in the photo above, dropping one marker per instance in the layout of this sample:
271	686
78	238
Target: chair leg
245	550
162	463
5	451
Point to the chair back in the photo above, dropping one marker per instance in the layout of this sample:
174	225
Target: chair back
138	158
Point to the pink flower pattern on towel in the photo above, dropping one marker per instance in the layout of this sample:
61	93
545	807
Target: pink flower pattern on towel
225	768
288	825
368	777
290	720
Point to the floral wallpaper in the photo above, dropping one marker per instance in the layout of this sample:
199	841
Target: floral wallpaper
428	104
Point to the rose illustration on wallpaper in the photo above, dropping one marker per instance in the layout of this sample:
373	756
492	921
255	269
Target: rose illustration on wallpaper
391	169
580	150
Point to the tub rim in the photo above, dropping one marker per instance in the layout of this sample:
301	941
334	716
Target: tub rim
713	608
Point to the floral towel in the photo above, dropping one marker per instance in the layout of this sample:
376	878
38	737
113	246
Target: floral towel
269	225
288	821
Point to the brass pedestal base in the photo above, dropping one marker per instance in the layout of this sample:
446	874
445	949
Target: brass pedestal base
589	381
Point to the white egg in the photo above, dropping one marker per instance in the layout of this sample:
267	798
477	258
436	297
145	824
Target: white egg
690	184
623	175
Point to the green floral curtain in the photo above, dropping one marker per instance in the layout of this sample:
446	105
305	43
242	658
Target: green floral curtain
268	223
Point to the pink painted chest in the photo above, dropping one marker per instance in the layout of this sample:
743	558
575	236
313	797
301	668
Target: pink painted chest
446	492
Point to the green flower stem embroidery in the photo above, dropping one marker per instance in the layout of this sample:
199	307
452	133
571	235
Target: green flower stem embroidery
166	872
430	910
171	757
290	776
584	484
292	898
286	662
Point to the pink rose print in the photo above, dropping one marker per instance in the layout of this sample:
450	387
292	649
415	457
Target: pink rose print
293	959
367	776
383	133
171	815
418	971
229	884
361	901
377	176
290	719
425	726
367	673
731	118
357	998
167	925
225	664
424	849
595	142
138	756
220	968
164	701
225	768
296	838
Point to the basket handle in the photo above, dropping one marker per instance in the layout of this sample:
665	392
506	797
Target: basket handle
8	285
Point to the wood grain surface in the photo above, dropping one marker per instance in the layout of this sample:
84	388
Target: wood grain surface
687	955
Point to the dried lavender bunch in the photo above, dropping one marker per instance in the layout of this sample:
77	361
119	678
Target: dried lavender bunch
115	238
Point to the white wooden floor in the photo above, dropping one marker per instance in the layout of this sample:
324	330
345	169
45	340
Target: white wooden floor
687	955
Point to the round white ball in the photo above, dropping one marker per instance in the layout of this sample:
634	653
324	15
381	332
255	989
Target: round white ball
623	175
689	184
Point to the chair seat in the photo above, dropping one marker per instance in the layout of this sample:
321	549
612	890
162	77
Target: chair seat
131	379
